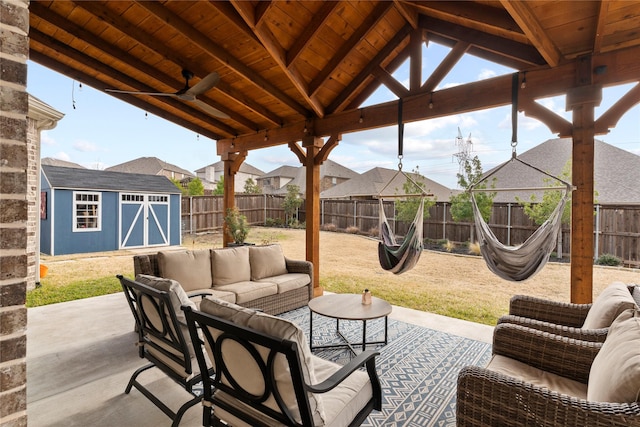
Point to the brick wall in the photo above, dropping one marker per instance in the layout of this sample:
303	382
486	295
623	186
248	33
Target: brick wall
14	209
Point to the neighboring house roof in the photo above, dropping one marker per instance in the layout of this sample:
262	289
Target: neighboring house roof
372	182
244	168
50	161
616	171
329	168
89	179
283	171
147	166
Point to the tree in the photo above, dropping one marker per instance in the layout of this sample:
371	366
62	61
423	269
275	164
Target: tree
539	211
195	187
292	202
461	209
251	187
406	209
178	184
219	190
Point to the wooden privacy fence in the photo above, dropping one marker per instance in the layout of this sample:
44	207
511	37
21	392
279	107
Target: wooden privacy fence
617	227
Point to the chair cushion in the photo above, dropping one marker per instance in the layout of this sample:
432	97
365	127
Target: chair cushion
192	269
615	372
288	282
230	265
247	373
176	293
516	369
613	300
266	261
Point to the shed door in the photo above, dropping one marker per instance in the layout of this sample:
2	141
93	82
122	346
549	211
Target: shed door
144	220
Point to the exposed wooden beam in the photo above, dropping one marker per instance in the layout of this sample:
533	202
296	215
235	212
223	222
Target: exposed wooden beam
89	80
499	46
445	66
229	12
222	55
328	146
369	69
415	66
69	27
522	14
408	13
390	82
367	25
298	151
99	67
556	123
610	118
320	19
603	11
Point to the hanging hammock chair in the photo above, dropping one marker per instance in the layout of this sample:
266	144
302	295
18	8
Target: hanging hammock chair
393	256
518	263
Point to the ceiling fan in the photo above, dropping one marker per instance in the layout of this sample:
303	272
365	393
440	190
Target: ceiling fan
188	93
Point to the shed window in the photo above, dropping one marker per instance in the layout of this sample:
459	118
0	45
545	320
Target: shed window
86	211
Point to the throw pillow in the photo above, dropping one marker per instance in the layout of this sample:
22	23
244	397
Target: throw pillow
245	367
266	261
191	268
615	372
613	300
230	265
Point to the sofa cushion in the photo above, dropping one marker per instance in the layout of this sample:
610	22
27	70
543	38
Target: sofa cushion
266	261
249	291
288	282
615	372
516	369
613	300
230	265
192	269
215	293
243	365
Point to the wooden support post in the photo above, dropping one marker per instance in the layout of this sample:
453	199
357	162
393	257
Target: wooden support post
582	100
312	207
232	162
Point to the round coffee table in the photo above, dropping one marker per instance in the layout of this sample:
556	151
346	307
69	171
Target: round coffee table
348	307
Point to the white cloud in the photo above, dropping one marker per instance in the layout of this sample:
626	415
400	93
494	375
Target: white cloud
61	155
46	139
485	73
85	146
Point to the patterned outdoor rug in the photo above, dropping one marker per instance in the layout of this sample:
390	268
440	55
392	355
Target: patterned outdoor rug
418	368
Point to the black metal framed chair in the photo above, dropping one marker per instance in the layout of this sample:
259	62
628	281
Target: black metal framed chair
163	338
269	377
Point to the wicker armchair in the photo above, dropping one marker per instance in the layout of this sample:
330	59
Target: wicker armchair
570	320
487	397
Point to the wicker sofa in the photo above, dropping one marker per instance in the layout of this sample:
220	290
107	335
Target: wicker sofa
540	379
258	277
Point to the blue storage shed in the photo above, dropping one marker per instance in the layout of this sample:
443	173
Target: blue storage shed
85	210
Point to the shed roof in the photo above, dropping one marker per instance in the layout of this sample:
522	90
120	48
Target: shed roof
90	179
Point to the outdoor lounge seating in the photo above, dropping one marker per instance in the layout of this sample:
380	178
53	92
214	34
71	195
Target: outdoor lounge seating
265	373
163	337
541	379
588	322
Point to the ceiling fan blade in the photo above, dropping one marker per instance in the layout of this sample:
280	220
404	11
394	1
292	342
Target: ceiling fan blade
131	92
209	109
204	85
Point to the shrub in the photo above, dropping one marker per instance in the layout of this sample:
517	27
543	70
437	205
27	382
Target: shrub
329	227
449	246
474	249
352	229
609	259
274	222
374	232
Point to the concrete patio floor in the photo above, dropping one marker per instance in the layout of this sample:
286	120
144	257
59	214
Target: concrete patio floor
80	355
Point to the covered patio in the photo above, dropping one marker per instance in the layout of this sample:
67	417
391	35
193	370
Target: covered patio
77	372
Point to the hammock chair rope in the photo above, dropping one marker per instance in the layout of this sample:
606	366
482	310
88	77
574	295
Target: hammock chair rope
395	257
518	263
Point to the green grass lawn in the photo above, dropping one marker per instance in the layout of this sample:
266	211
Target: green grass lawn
78	289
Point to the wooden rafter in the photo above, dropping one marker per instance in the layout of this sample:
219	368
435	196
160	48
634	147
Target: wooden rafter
521	13
279	55
415	66
603	10
407	12
488	46
367	25
222	55
101	68
445	66
390	82
320	19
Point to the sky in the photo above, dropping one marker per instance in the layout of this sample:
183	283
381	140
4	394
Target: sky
99	131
